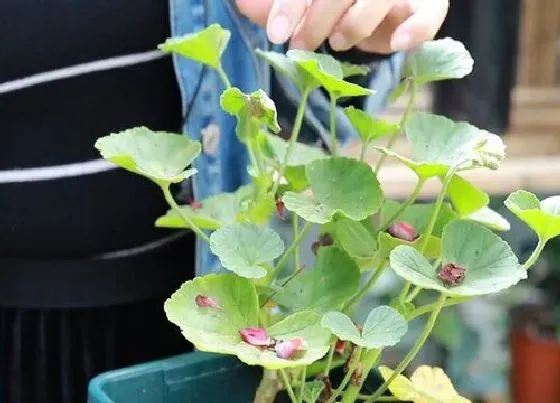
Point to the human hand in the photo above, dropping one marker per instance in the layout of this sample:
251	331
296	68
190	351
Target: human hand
375	26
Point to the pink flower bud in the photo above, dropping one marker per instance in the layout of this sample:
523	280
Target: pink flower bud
195	205
204	301
451	275
403	230
255	336
280	209
287	348
340	347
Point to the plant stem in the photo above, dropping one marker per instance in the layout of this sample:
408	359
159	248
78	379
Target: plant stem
290	278
380	398
224	77
351	368
293	138
302	385
366	288
173	204
535	255
332	124
430	307
268	388
328	365
368	361
363	151
295	230
291	249
415	349
410	297
411	199
288	386
402	123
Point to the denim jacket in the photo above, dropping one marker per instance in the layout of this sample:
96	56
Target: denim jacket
222	165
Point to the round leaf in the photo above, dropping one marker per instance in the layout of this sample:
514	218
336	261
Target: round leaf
159	156
243	248
438	60
490	218
217	329
466	197
339	185
490	265
543	217
354	238
204	47
251	110
283	65
368	127
301	154
333	281
383	327
418	215
427	385
439	144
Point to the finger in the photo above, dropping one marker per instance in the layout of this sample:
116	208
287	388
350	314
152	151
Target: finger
256	10
283	19
320	19
359	22
422	26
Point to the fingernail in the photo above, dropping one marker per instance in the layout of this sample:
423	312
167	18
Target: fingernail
278	29
339	41
401	40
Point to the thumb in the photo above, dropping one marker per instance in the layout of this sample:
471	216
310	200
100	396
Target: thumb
284	17
421	26
256	10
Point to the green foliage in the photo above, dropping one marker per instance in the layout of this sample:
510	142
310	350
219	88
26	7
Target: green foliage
449	247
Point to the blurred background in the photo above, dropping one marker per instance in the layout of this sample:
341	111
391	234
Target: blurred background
504	348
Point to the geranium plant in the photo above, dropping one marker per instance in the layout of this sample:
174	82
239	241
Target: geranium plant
299	325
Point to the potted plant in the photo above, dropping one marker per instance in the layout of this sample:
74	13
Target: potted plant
535	338
298	326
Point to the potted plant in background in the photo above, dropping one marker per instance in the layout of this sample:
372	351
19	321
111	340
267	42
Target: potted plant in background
299	326
535	336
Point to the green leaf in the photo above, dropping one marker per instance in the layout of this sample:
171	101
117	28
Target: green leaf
328	72
399	90
490	265
387	243
334	279
252	111
490	218
243	248
217	329
543	217
354	238
426	385
159	156
466	197
216	211
368	127
418	215
312	391
383	327
438	60
439	144
301	154
351	70
339	185
283	65
204	47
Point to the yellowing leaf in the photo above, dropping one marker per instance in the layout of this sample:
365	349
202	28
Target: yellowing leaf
426	385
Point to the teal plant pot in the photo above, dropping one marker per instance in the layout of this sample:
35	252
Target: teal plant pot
193	377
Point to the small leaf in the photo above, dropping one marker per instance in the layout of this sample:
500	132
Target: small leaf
252	111
283	65
399	90
205	46
543	217
354	238
334	279
301	154
351	70
159	156
489	263
439	144
490	218
368	127
244	248
215	212
466	197
312	391
438	60
426	385
387	243
328	72
339	185
383	327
